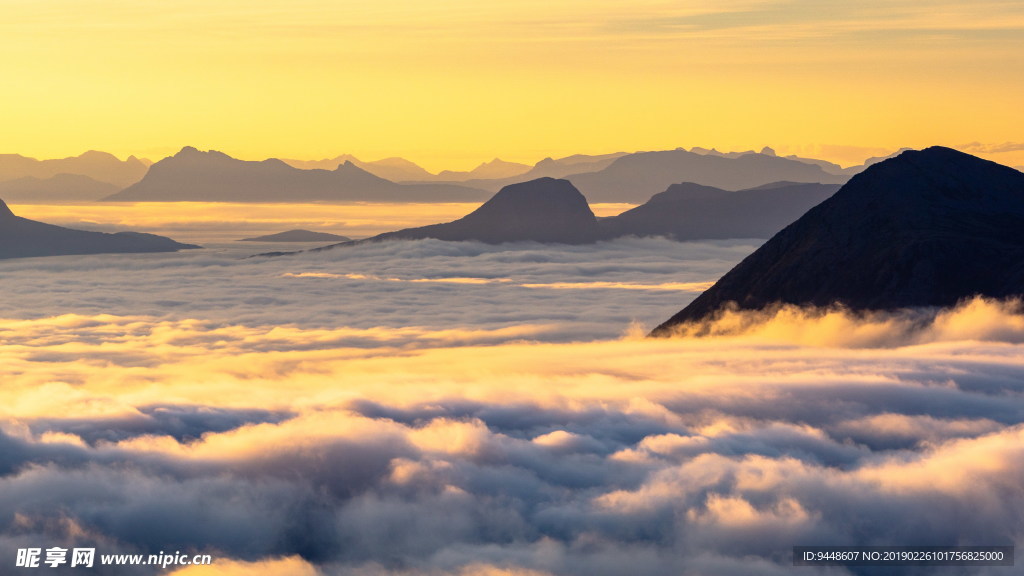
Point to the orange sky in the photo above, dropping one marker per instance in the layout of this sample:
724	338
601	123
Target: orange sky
451	83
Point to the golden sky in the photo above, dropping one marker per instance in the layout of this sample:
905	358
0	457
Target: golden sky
451	83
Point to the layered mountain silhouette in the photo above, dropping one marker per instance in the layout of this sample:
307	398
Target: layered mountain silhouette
99	166
394	169
542	210
298	236
24	238
926	228
59	188
693	212
636	177
553	210
192	175
493	170
546	168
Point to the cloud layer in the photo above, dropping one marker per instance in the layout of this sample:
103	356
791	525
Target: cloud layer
319	434
692	456
431	284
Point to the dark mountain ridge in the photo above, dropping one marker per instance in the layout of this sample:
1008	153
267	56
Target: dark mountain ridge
24	238
924	229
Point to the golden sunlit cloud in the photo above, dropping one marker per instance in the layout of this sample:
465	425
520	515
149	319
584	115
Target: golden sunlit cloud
291	566
743	442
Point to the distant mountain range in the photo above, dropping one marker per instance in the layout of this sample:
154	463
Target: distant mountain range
546	168
495	169
98	166
487	176
191	175
927	228
394	169
24	238
213	176
299	236
634	178
59	188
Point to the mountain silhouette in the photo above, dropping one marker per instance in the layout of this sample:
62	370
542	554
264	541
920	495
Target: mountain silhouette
926	228
99	166
690	211
59	188
492	170
192	175
394	169
24	238
546	168
553	210
299	236
542	210
636	177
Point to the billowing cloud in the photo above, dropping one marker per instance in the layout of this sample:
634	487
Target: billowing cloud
972	319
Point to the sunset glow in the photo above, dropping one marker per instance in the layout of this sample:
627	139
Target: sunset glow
454	83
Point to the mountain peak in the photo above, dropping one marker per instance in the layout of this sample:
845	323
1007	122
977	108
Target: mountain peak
190	152
925	228
541	199
97	155
541	210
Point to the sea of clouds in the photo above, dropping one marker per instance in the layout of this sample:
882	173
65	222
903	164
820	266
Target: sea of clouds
431	408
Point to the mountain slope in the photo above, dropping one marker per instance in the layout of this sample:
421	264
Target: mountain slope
24	238
926	228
